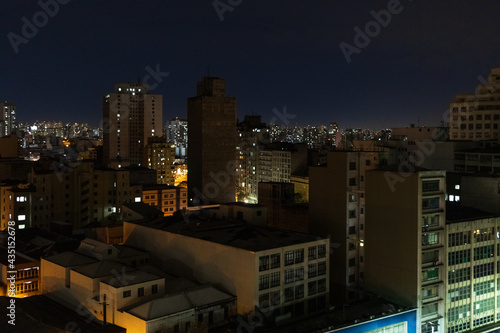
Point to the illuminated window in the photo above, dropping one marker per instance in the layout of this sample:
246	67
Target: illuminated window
21	217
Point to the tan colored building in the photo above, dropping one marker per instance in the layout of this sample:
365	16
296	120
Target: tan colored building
405	241
136	299
475	116
160	156
264	268
212	143
337	209
130	116
168	199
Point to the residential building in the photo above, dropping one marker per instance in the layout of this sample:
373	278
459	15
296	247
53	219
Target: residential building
263	267
405	241
337	209
212	143
78	195
475	116
160	156
166	198
26	274
8	123
130	116
176	131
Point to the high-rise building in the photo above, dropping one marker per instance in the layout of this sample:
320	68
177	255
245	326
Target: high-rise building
8	123
130	116
337	208
405	241
212	143
160	156
475	116
176	131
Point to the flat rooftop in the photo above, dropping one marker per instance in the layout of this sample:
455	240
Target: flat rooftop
458	213
228	232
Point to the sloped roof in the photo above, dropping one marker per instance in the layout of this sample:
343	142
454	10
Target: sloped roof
205	295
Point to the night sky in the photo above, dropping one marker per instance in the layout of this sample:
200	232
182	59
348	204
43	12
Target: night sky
272	54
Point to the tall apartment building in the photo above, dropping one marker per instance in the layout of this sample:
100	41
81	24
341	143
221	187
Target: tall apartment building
282	274
159	155
337	208
476	116
212	143
405	241
8	122
252	136
176	131
130	116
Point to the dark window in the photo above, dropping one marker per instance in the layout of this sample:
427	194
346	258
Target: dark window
154	289
288	258
321	251
299	256
263	263
312	252
352	165
275	260
127	293
140	291
352	181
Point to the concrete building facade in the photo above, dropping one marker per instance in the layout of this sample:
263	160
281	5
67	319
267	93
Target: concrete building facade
475	116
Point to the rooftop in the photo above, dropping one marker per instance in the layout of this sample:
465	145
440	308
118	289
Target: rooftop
458	213
229	232
70	259
102	269
160	307
125	277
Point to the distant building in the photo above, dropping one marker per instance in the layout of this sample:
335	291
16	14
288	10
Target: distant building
78	195
130	116
166	198
475	116
212	143
8	123
159	155
282	212
263	267
176	131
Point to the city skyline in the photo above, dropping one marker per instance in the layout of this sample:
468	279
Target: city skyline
308	59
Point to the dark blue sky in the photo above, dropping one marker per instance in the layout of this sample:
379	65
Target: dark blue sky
271	53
